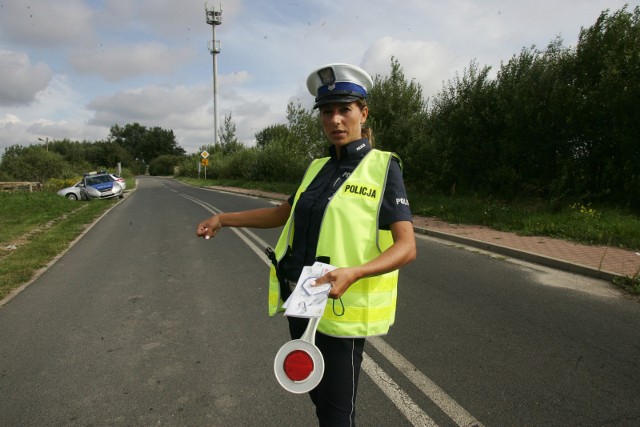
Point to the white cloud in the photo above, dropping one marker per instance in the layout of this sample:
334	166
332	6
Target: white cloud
21	81
154	105
119	62
45	23
424	61
9	120
73	68
237	77
169	18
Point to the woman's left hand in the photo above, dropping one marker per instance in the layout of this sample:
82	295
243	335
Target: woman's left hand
340	280
402	252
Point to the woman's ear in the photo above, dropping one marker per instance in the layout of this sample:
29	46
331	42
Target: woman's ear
365	114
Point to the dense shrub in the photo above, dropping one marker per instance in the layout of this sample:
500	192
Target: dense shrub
164	165
277	162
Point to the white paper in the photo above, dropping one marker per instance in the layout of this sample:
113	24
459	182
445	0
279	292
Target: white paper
308	300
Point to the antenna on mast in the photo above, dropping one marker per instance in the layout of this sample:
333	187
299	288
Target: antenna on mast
214	18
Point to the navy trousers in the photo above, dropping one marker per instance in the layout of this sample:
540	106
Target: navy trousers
335	396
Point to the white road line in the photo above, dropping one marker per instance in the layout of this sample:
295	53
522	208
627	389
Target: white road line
240	232
449	406
399	397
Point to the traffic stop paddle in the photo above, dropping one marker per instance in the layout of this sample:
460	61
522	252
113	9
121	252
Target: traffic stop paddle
299	364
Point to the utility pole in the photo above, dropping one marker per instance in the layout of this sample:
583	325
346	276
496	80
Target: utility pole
46	142
214	17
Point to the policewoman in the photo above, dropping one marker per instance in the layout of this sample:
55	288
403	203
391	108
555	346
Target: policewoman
351	210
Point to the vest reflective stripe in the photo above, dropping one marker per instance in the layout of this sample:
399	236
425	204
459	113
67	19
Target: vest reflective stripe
349	235
274	292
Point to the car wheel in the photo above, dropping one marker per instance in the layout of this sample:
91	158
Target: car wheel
72	196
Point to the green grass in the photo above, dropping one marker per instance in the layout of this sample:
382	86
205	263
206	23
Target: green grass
38	227
20	212
272	187
629	283
575	222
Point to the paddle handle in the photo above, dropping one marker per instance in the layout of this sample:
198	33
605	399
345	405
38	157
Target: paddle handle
310	333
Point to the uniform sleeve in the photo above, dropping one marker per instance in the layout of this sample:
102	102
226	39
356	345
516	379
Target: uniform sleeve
395	203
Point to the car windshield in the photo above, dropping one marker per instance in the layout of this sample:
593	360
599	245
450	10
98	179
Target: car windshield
94	180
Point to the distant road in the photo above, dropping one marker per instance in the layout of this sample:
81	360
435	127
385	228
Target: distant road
141	323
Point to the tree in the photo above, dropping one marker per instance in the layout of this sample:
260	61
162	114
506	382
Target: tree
397	113
228	140
460	145
607	80
272	133
131	137
145	144
32	163
164	165
533	106
307	137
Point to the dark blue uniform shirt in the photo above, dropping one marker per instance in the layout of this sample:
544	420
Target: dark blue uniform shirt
313	202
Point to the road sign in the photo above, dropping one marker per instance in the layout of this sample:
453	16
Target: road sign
204	162
299	365
204	154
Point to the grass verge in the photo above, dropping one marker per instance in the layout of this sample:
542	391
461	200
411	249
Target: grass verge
22	212
272	187
630	284
36	228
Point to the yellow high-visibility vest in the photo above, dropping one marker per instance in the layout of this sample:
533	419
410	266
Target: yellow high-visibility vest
350	236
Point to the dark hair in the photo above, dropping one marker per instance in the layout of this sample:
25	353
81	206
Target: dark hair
366	132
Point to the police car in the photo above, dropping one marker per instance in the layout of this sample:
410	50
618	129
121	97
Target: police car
94	185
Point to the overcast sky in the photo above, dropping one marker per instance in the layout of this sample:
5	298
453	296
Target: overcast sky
74	68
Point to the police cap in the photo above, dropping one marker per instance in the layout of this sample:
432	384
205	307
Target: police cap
338	83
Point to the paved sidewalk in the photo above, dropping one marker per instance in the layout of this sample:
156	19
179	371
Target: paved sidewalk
603	262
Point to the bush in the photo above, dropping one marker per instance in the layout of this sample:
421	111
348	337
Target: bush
241	164
164	165
188	166
276	162
55	184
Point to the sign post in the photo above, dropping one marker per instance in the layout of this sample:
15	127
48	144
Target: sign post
204	162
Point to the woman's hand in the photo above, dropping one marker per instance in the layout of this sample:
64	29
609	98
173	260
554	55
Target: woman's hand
209	227
340	279
402	252
257	218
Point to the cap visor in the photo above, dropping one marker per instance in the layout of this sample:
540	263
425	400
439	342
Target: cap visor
336	99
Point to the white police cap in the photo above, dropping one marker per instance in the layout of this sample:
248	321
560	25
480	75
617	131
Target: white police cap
338	83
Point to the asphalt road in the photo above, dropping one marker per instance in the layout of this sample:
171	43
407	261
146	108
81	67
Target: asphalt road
141	323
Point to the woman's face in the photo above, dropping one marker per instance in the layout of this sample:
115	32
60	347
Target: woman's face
342	123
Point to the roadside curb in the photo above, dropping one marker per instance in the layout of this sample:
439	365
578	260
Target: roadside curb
520	254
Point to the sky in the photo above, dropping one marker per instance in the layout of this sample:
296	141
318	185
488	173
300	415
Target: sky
71	69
